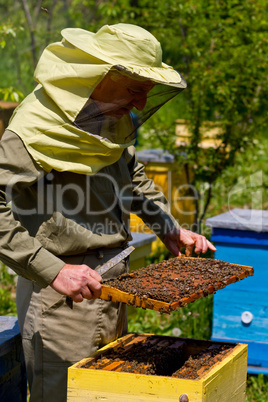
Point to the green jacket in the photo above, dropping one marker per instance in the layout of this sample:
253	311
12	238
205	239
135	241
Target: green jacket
65	213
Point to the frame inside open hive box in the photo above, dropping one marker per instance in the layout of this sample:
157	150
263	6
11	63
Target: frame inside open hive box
141	367
174	283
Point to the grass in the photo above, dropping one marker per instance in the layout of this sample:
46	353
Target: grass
257	388
192	321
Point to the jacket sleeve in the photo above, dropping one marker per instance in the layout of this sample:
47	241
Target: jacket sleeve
18	250
148	203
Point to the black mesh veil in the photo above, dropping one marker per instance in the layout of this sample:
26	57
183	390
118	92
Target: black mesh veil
156	98
121	104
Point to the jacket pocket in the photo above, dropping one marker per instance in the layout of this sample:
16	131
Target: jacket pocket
63	236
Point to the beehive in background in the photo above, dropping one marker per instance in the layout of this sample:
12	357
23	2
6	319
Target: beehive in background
210	134
161	167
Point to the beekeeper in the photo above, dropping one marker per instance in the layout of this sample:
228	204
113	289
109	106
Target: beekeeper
68	164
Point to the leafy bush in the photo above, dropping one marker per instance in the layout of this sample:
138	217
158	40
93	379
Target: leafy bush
257	388
192	321
7	292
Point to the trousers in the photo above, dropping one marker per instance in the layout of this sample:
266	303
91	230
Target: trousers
55	337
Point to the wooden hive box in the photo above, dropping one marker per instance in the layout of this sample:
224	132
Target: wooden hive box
223	379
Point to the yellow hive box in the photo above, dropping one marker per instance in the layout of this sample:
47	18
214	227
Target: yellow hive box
171	179
224	381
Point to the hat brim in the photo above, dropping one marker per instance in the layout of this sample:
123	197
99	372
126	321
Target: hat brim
84	40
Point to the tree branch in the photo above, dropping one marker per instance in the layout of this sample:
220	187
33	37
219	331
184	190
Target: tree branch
49	21
36	12
31	28
27	13
209	196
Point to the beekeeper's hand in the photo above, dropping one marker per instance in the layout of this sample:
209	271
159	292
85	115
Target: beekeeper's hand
178	238
78	282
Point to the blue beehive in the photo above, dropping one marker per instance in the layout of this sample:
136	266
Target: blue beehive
13	383
240	312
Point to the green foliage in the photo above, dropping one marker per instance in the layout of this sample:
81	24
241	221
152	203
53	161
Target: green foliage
192	321
6	31
221	49
24	32
257	388
245	184
159	254
8	34
11	94
223	52
7	292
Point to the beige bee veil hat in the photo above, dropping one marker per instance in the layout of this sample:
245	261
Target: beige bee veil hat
67	73
129	47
